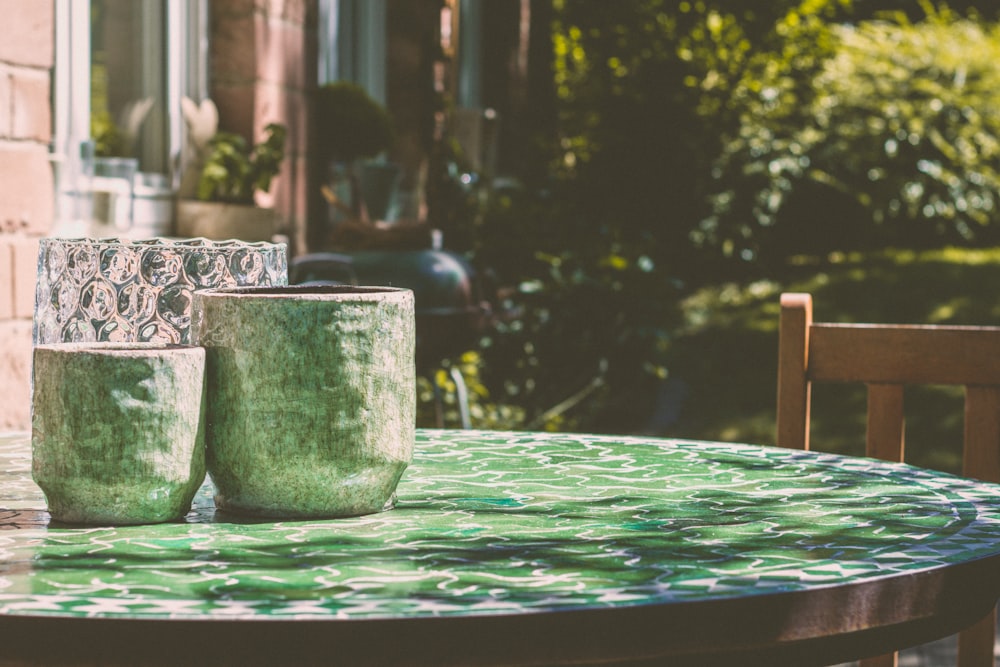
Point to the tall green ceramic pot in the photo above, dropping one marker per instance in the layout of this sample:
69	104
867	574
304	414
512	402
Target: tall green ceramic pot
117	431
311	408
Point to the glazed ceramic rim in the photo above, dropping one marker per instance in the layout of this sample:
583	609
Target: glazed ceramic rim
300	292
119	348
160	242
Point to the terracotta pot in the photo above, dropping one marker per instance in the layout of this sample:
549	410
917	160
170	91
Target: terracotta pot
219	221
117	431
311	391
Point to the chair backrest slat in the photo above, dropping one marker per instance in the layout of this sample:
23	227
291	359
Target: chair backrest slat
981	455
884	436
884	353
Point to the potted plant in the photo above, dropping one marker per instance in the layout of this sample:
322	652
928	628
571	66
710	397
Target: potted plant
230	173
352	128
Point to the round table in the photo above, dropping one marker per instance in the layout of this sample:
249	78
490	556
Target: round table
521	548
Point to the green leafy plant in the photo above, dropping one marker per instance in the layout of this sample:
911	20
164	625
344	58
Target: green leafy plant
484	411
108	138
234	170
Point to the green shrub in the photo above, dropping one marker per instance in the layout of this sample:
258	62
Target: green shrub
898	141
438	397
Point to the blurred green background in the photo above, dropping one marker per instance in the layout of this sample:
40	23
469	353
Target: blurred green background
692	160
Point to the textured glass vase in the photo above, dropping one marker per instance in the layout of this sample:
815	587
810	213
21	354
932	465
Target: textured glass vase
140	291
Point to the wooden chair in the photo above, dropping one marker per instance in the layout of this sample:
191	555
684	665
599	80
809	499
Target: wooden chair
886	357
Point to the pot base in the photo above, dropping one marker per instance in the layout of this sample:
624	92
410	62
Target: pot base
364	492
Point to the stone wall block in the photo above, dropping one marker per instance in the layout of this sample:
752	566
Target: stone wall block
233	51
27	202
230	8
32	115
264	70
6	107
6	277
280	52
291	11
236	107
25	274
274	103
27	33
15	370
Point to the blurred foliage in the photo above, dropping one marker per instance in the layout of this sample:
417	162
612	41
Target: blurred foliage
599	252
581	336
108	139
647	97
438	397
895	141
699	143
234	169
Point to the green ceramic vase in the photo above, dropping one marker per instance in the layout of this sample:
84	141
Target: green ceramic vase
117	430
311	408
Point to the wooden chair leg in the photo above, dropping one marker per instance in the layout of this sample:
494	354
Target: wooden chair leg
975	644
981	460
887	660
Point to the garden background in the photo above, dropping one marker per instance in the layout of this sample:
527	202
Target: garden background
692	160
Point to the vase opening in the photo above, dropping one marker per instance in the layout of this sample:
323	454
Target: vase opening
113	347
297	291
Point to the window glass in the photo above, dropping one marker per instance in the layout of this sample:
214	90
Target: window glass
352	44
121	69
128	93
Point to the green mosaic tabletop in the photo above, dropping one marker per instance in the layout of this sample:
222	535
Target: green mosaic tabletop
509	523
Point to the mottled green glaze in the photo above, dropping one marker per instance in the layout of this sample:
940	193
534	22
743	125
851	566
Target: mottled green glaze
311	397
117	433
513	523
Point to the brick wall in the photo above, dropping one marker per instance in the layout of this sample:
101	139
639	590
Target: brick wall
26	195
263	60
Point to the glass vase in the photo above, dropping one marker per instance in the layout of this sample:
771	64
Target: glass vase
115	290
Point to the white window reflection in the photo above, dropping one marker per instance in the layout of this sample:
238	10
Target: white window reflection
121	69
